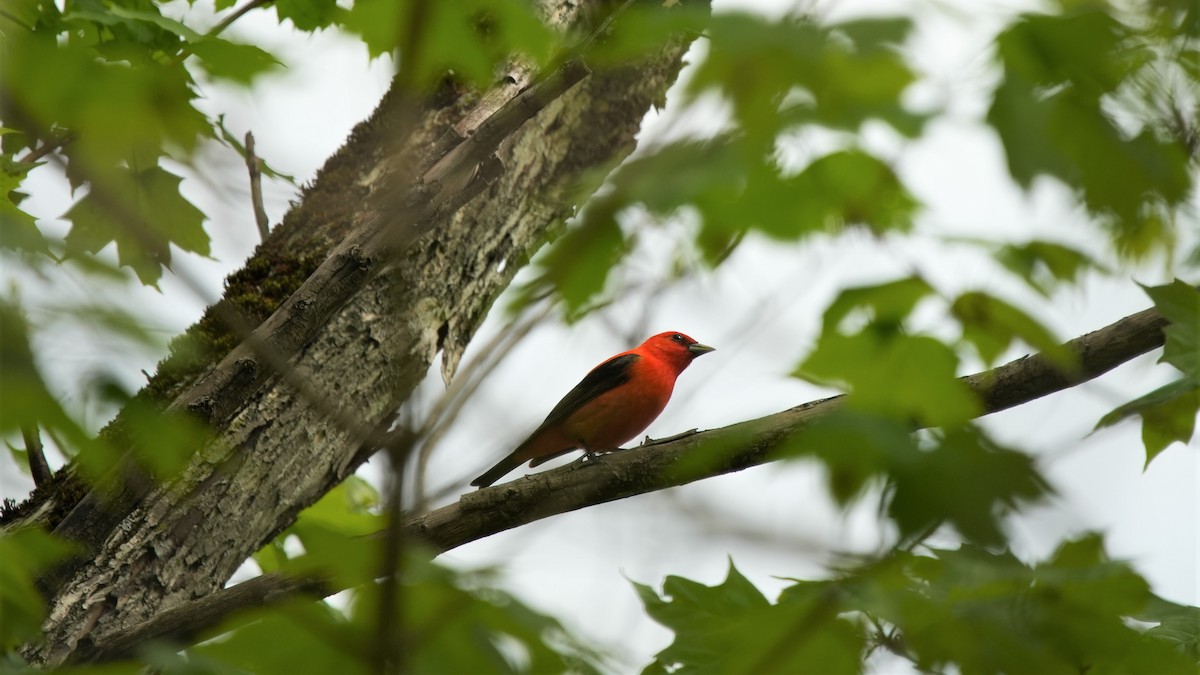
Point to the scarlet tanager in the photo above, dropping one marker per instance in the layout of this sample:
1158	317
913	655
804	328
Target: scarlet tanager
614	403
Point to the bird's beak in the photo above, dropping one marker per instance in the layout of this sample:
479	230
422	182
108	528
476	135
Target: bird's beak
699	349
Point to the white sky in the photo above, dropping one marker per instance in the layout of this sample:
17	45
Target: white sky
761	310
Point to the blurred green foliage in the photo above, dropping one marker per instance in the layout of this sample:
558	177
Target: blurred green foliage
732	628
105	90
1094	96
970	610
454	620
24	556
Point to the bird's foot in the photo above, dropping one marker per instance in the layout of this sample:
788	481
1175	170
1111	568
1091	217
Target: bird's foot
588	458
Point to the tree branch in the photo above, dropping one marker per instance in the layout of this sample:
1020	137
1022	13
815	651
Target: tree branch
38	468
650	468
186	623
733	448
254	166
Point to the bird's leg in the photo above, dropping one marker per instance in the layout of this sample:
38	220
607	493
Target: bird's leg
591	457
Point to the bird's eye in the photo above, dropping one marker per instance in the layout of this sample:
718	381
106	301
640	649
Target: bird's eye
677	337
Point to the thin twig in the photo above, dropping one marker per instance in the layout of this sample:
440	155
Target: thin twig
254	166
464	386
235	15
38	467
391	636
46	148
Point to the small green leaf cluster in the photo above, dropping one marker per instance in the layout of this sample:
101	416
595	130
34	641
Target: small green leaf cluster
24	555
107	90
969	610
1090	97
451	621
1169	412
780	77
1097	97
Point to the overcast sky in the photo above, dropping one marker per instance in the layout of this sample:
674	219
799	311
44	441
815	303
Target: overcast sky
761	310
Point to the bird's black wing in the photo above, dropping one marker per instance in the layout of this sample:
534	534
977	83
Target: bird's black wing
604	377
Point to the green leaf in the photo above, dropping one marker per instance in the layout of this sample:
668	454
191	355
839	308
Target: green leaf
18	229
308	15
346	508
1180	304
837	76
992	325
116	112
470	38
1083	48
25	400
452	624
1043	264
731	628
231	61
153	17
24	555
973	610
1169	422
1060	72
577	266
377	22
335	535
967	480
143	212
272	557
162	442
641	29
1179	625
908	378
855	448
295	637
849	187
885	305
1168	415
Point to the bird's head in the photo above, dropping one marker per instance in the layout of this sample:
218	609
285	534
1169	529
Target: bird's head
677	349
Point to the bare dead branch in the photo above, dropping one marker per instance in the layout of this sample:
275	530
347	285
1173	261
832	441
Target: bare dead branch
254	166
38	467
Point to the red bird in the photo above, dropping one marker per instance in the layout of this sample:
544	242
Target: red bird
613	404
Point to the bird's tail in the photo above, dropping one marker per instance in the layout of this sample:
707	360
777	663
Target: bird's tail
497	472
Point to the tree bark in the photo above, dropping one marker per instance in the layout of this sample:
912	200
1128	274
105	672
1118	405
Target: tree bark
279	449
